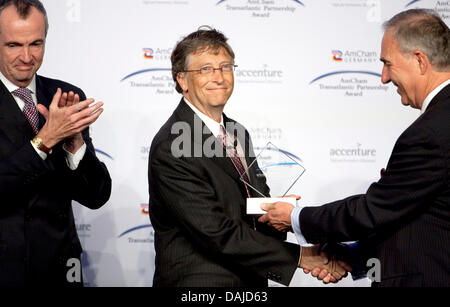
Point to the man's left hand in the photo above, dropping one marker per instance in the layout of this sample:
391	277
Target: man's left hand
278	215
74	143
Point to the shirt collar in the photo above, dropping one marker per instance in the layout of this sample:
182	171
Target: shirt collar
209	122
12	87
431	95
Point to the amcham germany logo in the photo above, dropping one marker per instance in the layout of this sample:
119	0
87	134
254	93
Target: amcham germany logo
144	211
442	7
261	8
143	71
351	82
148	53
158	77
337	55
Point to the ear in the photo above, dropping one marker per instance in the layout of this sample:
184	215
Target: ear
422	61
182	81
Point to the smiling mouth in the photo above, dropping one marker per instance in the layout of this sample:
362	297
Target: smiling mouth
24	67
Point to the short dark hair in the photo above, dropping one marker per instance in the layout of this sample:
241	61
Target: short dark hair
424	30
23	8
204	39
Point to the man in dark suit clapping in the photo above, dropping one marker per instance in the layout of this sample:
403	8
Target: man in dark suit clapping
46	157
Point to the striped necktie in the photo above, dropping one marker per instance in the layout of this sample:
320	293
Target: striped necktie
232	153
30	111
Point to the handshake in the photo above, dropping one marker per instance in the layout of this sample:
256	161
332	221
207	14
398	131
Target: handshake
321	264
320	260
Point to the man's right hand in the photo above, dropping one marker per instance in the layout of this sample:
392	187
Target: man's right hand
321	266
64	120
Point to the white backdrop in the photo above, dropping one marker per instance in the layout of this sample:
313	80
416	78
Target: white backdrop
281	47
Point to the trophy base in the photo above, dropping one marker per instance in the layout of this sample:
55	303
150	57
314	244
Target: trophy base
254	204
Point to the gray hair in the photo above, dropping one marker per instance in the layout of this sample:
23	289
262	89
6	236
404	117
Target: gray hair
424	30
23	8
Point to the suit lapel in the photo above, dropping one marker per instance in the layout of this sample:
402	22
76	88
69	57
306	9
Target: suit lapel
247	147
43	97
13	123
185	114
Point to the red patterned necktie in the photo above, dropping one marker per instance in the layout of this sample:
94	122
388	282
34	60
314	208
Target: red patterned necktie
30	111
232	153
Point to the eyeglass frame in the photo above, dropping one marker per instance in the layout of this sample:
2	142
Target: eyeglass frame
211	72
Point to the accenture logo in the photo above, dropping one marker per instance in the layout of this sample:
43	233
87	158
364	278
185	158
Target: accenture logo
83	230
353	154
259	75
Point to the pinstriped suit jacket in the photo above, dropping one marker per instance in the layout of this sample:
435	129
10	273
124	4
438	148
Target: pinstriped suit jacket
404	219
202	234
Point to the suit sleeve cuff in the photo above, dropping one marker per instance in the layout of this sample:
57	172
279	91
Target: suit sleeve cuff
73	160
295	222
42	154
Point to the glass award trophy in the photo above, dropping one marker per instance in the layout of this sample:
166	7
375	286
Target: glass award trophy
281	169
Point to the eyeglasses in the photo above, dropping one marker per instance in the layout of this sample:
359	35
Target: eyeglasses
209	70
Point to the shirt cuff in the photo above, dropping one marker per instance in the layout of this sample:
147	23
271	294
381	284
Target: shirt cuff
42	154
295	222
73	160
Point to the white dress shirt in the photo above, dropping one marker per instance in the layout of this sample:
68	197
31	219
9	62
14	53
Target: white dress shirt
215	129
431	95
73	160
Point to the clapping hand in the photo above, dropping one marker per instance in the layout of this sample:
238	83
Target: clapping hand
66	118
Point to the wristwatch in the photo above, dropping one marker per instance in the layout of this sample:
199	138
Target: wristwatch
37	141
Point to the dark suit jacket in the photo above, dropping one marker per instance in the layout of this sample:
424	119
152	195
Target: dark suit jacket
37	229
404	219
197	207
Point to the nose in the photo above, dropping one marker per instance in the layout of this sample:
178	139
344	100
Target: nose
385	76
25	56
217	75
